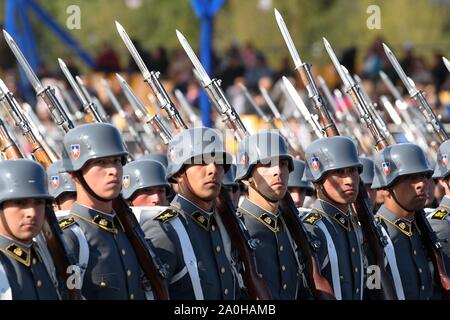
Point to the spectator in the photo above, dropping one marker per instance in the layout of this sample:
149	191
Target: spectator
107	60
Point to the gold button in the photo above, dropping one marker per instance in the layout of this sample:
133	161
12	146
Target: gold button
260	275
103	284
123	252
283	268
357	290
420	270
281	248
222	270
218	248
129	273
414	252
34	261
39	283
353	250
356	269
225	292
341	277
213	228
284	286
131	296
423	288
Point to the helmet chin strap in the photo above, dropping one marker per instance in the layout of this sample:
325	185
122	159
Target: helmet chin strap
392	193
252	184
88	189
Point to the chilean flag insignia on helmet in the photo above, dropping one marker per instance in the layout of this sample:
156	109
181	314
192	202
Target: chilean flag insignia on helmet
315	163
386	167
444	159
75	151
55	182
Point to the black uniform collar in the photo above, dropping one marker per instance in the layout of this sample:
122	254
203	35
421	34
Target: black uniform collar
16	250
267	218
101	219
200	216
402	224
342	218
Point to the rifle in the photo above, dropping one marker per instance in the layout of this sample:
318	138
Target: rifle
8	146
429	238
372	233
269	120
447	63
70	103
317	283
130	124
193	118
13	108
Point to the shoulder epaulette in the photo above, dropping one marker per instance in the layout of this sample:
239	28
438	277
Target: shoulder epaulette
440	214
377	219
166	215
312	217
66	222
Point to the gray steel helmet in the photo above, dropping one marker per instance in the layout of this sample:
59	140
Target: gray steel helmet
228	179
59	182
296	178
157	156
141	174
196	146
367	172
262	147
327	154
396	161
22	179
91	141
442	167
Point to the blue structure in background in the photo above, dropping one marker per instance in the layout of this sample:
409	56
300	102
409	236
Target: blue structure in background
18	25
205	10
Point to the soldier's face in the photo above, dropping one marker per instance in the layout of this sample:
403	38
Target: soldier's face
205	180
298	195
411	191
22	219
151	196
342	185
103	176
271	180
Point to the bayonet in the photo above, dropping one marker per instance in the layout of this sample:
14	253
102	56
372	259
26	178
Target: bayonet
255	106
447	63
193	118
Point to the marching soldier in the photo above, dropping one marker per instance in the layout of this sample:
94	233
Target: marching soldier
26	268
367	178
297	187
61	188
402	171
232	186
144	184
189	236
333	166
440	218
263	166
94	155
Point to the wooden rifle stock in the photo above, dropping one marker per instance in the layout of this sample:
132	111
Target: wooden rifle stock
145	256
7	144
318	284
256	286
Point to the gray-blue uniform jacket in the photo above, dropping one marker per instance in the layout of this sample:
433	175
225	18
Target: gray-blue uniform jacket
275	256
112	271
440	223
339	250
184	225
411	257
26	273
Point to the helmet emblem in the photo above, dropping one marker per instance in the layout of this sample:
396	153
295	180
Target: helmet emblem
172	154
315	163
75	151
55	182
386	167
126	181
444	159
